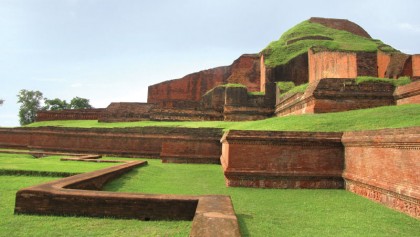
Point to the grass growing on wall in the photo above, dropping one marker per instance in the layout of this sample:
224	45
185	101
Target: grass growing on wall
396	82
366	119
279	52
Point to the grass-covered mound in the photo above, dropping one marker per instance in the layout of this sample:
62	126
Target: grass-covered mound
281	51
366	119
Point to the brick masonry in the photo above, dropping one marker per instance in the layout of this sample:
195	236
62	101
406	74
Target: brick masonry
384	166
408	94
168	143
327	64
282	159
78	196
335	95
69	114
190	88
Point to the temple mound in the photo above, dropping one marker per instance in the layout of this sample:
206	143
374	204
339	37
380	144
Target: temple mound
251	88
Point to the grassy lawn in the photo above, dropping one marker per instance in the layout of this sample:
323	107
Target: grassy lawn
261	212
366	119
32	225
50	164
274	212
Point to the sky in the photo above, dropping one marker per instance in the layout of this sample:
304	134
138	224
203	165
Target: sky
112	50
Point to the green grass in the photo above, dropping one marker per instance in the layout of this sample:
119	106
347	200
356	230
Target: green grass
261	212
50	164
278	52
285	86
256	93
33	225
396	82
366	119
274	212
297	89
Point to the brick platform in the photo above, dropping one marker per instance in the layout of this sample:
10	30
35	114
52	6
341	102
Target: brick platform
194	145
268	159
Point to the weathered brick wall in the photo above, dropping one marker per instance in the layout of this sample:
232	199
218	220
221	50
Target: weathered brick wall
415	60
383	60
384	166
246	71
295	70
282	159
341	24
399	65
367	64
263	78
145	142
192	87
73	196
69	114
327	64
335	95
126	111
408	94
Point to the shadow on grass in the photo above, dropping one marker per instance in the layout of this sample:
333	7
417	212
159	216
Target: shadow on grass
116	184
242	219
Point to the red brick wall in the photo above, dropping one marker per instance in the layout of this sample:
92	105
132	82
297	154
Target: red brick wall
331	65
145	142
262	73
69	114
408	94
126	111
282	159
415	60
384	166
192	87
383	62
246	70
335	95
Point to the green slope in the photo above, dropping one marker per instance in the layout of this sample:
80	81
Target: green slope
280	52
365	119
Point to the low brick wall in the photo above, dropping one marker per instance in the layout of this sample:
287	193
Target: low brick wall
65	197
169	143
69	114
336	95
384	166
408	94
282	159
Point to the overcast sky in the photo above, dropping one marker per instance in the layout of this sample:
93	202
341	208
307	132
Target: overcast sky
111	50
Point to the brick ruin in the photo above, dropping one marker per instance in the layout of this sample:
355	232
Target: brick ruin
380	165
80	195
203	96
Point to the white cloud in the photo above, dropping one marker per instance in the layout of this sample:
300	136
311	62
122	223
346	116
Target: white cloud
409	27
76	85
50	79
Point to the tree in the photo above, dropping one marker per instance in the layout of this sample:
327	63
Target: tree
31	103
55	104
1	101
80	103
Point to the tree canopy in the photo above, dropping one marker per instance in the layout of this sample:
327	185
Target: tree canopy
31	104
